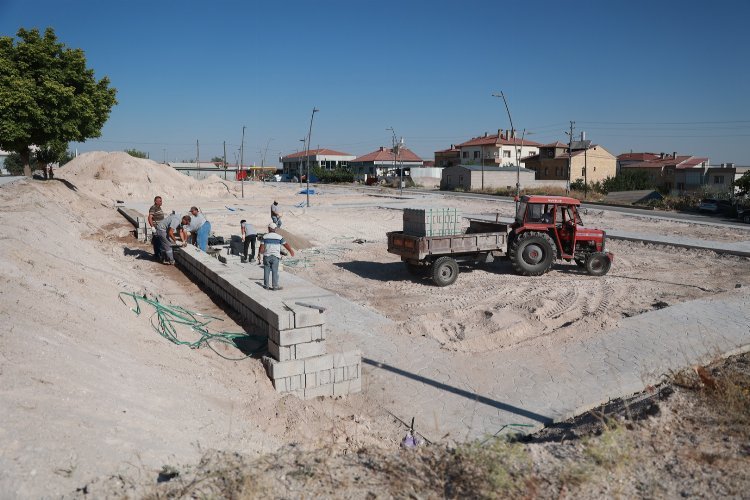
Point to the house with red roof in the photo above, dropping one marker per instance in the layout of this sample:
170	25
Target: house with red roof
296	164
383	162
672	173
501	149
592	164
448	157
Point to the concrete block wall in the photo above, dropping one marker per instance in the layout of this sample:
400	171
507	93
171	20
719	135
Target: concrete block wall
297	361
143	231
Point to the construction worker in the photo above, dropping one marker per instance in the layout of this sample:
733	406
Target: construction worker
275	213
168	226
155	216
270	249
199	228
249	235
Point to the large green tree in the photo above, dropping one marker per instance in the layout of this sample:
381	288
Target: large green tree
47	94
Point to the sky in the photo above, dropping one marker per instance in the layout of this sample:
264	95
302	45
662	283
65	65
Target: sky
642	76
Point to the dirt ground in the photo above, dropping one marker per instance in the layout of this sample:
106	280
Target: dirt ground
89	389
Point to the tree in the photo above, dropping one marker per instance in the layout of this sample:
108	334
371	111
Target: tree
627	181
743	183
47	94
14	163
136	154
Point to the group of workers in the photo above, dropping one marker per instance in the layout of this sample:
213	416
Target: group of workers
167	228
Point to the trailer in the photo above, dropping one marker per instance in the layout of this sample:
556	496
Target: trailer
440	255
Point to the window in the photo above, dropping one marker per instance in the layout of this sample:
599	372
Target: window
718	179
465	154
583	170
546	171
506	154
476	154
550	153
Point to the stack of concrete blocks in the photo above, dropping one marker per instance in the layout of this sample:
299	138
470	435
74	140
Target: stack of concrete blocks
432	221
297	361
143	231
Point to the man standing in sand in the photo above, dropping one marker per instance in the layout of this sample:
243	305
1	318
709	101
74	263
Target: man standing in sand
199	229
270	249
155	216
275	213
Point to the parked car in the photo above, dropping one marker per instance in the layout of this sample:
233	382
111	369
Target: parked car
743	214
714	206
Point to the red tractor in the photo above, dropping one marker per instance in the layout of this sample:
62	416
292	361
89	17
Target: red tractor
548	228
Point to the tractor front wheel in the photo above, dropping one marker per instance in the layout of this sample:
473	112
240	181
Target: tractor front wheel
597	264
444	271
532	254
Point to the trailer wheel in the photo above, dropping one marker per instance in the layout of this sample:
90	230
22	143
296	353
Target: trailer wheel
597	264
444	271
532	254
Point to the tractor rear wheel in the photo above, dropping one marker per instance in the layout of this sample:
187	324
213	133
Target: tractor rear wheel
444	271
597	264
532	254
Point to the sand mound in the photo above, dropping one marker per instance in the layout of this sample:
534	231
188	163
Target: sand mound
119	176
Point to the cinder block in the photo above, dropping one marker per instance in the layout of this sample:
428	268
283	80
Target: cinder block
311	380
321	390
305	316
339	375
347	358
309	349
279	317
318	363
346	387
296	382
280	353
279	369
296	335
325	377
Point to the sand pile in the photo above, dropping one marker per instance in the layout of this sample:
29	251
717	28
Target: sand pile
119	176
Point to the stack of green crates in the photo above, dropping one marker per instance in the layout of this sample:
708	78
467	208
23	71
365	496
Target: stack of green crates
432	221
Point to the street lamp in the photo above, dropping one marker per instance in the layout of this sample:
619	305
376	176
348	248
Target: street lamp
242	159
515	146
309	134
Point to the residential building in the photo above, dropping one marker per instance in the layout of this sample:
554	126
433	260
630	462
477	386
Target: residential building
381	162
593	164
497	150
476	177
630	158
295	164
673	173
448	157
3	156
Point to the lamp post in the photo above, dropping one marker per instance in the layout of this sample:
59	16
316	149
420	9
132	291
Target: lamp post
393	147
242	160
515	146
309	134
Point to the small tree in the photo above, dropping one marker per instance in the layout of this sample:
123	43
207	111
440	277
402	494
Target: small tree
743	184
136	154
47	94
627	181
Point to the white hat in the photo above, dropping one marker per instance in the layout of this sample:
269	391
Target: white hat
272	225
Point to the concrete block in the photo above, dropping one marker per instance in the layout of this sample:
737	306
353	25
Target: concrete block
346	387
325	377
279	317
339	374
321	390
296	382
280	369
311	380
318	363
309	349
280	353
296	335
305	316
347	358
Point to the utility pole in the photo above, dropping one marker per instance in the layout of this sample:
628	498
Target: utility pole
585	167
309	134
197	154
225	160
242	160
393	148
570	158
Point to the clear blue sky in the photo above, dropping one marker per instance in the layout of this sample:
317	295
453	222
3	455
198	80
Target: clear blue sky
635	75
